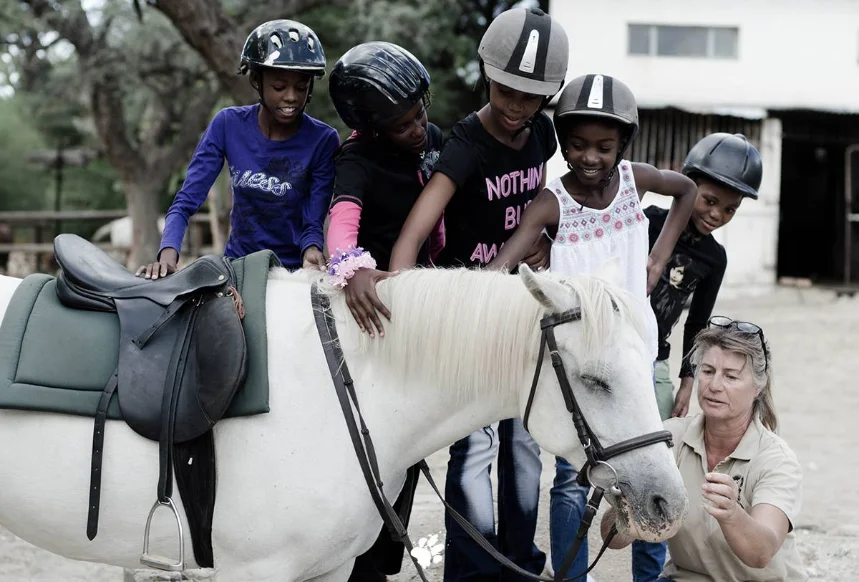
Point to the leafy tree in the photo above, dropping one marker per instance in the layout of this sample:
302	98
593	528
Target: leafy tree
141	92
22	186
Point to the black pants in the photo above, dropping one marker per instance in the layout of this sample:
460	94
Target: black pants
386	555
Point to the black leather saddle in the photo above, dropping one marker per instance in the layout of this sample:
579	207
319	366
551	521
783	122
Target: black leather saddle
182	354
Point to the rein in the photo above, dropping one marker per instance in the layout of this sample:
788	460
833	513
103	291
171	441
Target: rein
363	444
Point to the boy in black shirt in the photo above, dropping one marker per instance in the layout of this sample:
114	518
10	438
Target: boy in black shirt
727	169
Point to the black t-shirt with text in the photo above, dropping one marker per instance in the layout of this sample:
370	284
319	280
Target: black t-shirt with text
385	183
696	268
495	183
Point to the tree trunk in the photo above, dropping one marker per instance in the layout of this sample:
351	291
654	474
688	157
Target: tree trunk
142	197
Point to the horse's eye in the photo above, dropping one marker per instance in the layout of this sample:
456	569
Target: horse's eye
595	382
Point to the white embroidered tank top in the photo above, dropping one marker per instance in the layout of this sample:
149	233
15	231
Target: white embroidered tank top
587	238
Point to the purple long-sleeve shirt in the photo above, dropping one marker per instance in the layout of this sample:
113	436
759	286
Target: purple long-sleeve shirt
281	189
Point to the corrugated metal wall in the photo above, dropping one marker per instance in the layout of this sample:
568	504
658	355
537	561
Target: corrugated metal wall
667	135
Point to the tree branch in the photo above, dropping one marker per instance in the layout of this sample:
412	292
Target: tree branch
193	121
214	35
219	39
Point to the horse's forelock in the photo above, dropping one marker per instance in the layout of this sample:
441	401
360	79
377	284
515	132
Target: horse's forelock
605	308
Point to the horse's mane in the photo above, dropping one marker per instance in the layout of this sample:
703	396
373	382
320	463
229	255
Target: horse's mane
463	328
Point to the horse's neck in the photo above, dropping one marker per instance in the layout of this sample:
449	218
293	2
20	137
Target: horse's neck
419	419
440	399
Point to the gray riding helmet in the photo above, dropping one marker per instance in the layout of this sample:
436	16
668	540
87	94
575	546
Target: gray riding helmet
527	50
598	96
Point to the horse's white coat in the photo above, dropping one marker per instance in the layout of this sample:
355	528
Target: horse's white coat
292	503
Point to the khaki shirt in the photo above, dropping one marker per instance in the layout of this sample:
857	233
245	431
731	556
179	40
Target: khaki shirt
766	471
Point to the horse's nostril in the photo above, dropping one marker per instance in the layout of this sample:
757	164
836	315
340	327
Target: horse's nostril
659	506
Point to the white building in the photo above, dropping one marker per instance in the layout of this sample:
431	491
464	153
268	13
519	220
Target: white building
784	72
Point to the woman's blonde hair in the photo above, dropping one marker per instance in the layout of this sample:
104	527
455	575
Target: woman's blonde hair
751	346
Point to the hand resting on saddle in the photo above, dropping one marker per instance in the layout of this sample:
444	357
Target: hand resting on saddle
167	263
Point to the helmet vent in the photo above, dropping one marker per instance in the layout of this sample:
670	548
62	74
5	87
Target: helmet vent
529	57
294	35
275	40
595	99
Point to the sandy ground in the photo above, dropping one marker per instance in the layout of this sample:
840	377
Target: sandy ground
814	337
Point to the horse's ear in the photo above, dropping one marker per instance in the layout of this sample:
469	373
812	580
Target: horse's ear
610	271
552	295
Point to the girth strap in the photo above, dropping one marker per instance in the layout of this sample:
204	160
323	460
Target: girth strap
97	452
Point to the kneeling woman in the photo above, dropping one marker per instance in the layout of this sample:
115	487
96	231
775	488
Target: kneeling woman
751	490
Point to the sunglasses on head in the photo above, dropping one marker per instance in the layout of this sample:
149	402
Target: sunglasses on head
743	327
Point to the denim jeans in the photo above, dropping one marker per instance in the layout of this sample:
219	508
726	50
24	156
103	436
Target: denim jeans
566	507
469	490
647	560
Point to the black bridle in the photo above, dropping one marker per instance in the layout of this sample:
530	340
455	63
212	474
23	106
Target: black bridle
594	451
360	436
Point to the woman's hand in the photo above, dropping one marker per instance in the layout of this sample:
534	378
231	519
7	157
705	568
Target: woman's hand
313	259
166	264
363	302
720	497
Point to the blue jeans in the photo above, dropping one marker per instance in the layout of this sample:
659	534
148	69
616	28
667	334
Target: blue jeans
469	490
567	505
647	560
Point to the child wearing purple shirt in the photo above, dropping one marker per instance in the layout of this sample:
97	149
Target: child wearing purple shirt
280	159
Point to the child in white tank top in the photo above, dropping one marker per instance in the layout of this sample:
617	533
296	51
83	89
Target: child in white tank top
595	210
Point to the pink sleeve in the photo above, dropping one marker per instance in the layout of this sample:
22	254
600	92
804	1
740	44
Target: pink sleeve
343	227
437	238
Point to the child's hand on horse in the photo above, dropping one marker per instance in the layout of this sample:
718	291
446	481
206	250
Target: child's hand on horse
167	263
313	259
539	255
363	302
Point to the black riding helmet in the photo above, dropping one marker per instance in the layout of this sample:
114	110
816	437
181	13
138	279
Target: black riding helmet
729	160
374	83
286	45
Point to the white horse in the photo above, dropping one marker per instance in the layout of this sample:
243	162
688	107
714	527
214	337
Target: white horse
292	503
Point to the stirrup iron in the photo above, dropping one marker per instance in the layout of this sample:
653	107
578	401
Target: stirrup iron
160	562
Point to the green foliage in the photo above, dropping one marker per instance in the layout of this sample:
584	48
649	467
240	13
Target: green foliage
23	186
443	34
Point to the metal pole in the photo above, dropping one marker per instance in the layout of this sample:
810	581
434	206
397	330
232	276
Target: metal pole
849	216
